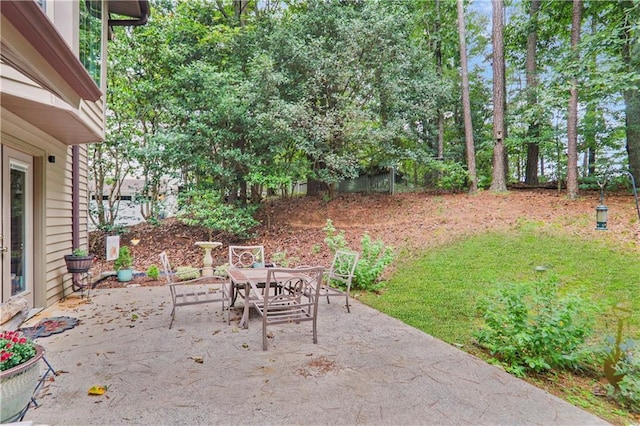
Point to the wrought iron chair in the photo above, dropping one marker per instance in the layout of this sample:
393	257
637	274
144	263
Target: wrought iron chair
297	302
341	274
245	257
195	291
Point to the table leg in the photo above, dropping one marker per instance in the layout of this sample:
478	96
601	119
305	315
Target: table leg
244	322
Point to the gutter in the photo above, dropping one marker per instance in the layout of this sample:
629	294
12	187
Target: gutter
144	11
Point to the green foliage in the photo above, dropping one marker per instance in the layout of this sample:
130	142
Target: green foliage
184	273
153	272
449	175
124	260
622	363
335	240
207	209
531	327
628	392
79	252
15	349
280	258
375	257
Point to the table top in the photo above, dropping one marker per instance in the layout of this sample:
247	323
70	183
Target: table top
254	275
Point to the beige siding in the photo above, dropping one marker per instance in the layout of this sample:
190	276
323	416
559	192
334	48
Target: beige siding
55	218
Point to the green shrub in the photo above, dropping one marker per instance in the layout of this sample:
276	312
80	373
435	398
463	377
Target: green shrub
622	363
628	394
447	175
281	260
534	328
153	272
335	240
124	260
207	209
184	273
373	259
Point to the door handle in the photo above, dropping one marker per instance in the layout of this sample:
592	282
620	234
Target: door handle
4	249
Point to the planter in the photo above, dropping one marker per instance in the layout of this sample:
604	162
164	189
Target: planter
125	275
17	385
78	264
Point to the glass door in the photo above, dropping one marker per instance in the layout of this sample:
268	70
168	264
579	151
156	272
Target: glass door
17	230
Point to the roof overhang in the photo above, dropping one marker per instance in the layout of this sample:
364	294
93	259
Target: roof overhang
138	11
32	45
28	33
56	118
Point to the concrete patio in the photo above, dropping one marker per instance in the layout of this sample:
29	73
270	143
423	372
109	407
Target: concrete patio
367	368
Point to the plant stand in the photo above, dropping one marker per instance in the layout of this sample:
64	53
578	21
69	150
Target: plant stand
81	281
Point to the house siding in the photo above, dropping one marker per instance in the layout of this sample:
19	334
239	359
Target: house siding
52	216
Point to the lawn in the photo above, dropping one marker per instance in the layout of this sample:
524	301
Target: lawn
437	291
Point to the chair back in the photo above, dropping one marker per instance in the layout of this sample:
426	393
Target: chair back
246	256
294	284
166	266
343	267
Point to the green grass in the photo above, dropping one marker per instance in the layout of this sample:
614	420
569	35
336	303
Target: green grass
437	292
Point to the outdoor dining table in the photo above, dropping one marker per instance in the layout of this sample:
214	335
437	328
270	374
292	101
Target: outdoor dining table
247	278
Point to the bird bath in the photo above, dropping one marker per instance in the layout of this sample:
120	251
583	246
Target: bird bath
207	271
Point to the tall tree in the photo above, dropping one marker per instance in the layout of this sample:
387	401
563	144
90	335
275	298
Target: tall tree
498	181
438	53
533	145
631	57
466	102
572	117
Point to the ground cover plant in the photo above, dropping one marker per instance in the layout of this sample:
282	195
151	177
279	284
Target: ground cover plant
438	292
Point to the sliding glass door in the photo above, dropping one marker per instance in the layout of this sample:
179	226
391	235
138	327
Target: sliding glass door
16	237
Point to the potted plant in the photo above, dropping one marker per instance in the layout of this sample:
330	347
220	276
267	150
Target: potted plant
79	261
19	372
124	264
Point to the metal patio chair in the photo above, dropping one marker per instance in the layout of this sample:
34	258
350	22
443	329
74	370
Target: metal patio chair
195	291
341	274
296	303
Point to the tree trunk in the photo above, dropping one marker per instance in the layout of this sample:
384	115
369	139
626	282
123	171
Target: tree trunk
572	122
498	181
438	54
533	144
631	55
632	111
466	102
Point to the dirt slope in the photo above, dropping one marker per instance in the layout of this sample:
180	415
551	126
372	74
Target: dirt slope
404	221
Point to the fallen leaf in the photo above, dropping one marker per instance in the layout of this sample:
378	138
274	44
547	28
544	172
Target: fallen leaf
198	359
97	390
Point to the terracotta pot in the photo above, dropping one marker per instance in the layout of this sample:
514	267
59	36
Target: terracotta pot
17	385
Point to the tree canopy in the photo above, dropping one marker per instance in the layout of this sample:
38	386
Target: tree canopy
243	98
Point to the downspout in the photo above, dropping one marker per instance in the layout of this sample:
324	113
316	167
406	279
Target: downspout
75	201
